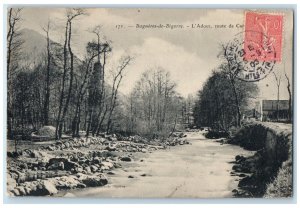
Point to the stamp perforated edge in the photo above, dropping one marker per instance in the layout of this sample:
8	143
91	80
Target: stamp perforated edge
270	12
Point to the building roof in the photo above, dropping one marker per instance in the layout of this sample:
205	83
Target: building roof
271	105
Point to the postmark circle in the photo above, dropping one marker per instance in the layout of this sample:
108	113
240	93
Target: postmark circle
250	59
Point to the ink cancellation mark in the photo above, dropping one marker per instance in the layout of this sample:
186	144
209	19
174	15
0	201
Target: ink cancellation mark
248	64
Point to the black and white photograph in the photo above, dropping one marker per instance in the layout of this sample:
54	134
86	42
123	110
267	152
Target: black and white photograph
189	103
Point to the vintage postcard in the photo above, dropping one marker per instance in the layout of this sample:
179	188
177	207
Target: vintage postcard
149	102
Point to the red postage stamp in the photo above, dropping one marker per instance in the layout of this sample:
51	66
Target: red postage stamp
263	36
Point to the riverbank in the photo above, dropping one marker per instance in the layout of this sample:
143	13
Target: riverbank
270	168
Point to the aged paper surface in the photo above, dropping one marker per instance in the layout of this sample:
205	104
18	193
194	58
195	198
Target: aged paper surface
149	103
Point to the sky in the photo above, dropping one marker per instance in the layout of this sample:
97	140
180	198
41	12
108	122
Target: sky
190	54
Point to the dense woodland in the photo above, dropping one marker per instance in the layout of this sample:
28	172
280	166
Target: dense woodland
224	98
81	96
221	102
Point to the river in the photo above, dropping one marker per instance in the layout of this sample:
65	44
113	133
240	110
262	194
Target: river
198	170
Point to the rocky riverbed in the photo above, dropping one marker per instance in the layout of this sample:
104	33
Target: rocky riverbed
45	168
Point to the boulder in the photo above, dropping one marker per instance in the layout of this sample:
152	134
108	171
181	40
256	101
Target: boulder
15	192
21	177
28	190
81	185
87	169
46	131
126	159
11	183
48	188
70	195
97	160
111	148
61	163
50	148
21	190
94	168
24	166
79	169
118	165
42	164
67	145
106	165
93	181
111	173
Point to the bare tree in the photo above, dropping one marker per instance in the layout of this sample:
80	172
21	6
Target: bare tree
290	96
63	108
154	104
82	91
47	90
232	75
278	82
116	83
14	46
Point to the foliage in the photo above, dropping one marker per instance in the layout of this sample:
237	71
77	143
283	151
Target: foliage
216	104
154	106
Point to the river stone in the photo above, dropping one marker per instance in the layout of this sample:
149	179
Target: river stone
21	177
16	192
94	168
11	183
27	190
87	169
24	166
50	148
69	195
111	173
81	185
96	160
48	188
67	144
111	148
106	165
126	159
93	181
21	190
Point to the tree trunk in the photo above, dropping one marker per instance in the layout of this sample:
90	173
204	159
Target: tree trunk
277	107
71	76
47	94
58	123
238	116
10	37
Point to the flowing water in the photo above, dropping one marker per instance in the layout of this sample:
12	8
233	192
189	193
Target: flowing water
198	170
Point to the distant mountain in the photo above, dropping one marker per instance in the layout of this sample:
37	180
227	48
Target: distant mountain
34	46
